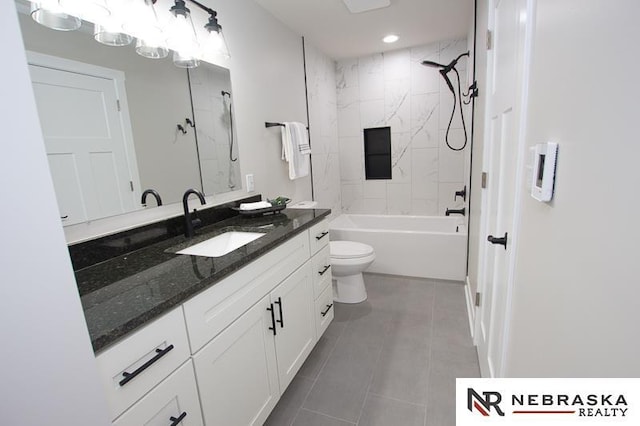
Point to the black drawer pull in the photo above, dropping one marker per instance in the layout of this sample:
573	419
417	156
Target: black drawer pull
324	314
177	420
273	319
326	267
279	303
130	376
322	235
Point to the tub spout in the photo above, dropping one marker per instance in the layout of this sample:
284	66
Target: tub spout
455	211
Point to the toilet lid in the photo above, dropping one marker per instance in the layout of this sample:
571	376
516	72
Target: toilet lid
349	249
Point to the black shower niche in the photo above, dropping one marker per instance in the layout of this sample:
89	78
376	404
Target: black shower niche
377	153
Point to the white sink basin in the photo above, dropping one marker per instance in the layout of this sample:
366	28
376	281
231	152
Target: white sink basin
221	244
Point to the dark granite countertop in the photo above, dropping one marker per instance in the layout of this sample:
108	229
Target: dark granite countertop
121	294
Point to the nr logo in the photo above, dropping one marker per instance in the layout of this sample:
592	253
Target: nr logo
485	403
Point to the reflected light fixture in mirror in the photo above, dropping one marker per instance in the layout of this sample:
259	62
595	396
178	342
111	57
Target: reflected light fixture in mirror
89	10
182	37
51	14
143	23
110	30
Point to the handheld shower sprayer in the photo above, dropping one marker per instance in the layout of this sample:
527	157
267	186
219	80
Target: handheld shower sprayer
444	70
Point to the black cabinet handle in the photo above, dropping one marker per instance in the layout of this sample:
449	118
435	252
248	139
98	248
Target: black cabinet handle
322	235
130	376
273	319
326	267
177	420
279	303
498	240
324	314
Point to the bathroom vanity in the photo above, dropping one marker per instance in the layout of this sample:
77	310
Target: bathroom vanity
195	340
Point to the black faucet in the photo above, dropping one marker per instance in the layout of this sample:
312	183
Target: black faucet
152	192
462	194
189	223
454	211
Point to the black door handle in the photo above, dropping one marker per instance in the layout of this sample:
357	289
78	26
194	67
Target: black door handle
177	420
273	318
130	376
279	303
498	240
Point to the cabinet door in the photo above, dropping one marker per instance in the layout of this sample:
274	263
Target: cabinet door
237	372
295	322
174	401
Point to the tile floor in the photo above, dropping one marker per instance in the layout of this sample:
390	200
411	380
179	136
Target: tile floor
391	360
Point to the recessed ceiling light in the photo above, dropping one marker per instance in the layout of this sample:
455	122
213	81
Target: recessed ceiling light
391	38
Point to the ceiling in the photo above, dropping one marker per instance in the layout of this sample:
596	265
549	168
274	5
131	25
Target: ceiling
330	26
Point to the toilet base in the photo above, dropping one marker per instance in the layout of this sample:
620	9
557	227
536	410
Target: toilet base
349	289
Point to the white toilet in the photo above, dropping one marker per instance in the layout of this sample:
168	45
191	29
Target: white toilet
348	260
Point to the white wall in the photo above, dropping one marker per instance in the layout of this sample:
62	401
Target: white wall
323	128
49	376
267	75
576	295
394	89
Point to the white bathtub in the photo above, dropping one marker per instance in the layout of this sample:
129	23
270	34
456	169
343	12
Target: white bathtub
415	246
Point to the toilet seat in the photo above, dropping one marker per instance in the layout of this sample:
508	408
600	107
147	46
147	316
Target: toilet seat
349	250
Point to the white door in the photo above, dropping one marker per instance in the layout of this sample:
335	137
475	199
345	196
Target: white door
83	133
295	322
237	371
507	20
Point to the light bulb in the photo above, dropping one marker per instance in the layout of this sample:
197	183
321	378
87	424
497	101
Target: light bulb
51	14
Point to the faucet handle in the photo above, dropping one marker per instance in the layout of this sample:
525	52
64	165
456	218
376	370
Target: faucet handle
462	194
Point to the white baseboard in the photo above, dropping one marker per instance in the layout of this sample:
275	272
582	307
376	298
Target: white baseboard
471	308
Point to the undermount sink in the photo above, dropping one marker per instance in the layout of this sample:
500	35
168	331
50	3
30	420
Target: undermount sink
221	244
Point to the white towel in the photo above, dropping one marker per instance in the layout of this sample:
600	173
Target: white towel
296	149
255	206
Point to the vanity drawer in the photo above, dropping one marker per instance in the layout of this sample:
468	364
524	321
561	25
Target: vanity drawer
173	400
134	366
319	236
321	264
216	308
324	310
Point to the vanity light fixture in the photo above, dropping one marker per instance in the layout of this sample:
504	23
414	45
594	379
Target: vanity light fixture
215	39
109	31
182	37
391	38
89	10
52	14
144	25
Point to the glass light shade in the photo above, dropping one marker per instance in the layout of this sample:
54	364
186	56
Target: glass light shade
111	36
89	10
185	61
51	14
181	36
216	44
151	49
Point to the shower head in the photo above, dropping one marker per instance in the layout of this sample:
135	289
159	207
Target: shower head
432	64
445	68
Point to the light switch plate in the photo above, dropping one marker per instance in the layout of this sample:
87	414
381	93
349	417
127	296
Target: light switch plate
249	181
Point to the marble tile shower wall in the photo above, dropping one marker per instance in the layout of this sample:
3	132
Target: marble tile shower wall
394	89
323	128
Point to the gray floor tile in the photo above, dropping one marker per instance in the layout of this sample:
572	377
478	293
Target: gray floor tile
451	330
339	397
380	411
402	373
290	402
441	400
455	362
309	418
318	356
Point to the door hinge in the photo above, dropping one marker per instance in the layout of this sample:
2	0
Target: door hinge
118	104
489	40
477	299
484	180
131	185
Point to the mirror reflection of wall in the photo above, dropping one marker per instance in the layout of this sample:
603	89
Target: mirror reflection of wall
217	143
158	99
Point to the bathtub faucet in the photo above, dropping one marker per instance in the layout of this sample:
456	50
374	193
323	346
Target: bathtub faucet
455	211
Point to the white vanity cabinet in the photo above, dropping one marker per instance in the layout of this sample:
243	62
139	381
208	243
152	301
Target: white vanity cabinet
235	347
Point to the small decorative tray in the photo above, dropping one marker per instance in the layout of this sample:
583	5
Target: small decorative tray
260	212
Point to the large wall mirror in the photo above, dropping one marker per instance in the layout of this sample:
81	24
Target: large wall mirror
116	124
